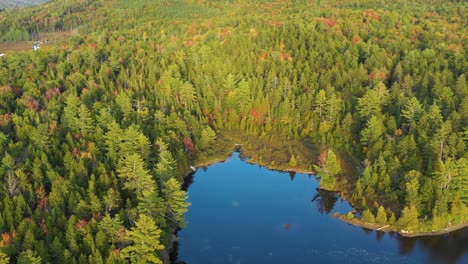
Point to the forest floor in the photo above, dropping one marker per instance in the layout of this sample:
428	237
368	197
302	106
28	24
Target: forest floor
46	39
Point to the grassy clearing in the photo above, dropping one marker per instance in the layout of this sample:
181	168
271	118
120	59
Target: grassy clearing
46	39
20	3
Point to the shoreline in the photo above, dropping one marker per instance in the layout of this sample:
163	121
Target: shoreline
213	161
355	221
389	228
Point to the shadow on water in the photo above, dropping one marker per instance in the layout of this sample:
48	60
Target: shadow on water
448	248
174	254
325	200
188	180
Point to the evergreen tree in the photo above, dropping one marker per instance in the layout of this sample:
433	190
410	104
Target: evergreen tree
207	137
409	219
381	217
328	168
176	198
292	161
165	168
145	237
4	258
136	177
29	257
111	226
412	190
368	216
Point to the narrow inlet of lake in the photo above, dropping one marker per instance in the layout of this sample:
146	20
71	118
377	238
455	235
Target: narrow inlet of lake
243	213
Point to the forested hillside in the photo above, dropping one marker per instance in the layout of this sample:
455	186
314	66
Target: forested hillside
95	133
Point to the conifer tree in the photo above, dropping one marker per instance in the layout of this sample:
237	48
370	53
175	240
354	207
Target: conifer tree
165	168
176	198
145	237
368	216
381	217
4	258
132	171
29	257
328	168
409	219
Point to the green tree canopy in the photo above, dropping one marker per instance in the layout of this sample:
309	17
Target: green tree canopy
145	237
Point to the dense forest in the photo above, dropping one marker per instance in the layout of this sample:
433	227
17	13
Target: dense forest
97	133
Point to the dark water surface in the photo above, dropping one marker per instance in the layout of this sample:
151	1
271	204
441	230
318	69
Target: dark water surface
244	213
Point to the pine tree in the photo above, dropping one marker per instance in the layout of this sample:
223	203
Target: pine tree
372	132
102	242
368	216
165	168
29	257
409	219
176	198
70	113
412	111
328	168
207	137
292	161
133	141
111	226
412	190
392	219
95	258
459	211
125	104
111	200
85	121
4	258
145	237
321	103
71	236
333	165
151	204
381	217
136	177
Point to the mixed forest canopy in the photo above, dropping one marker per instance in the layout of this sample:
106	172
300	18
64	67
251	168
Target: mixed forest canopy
96	133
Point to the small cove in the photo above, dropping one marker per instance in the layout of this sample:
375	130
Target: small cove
243	213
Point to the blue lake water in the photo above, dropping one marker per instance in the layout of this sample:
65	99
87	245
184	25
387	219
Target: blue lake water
243	213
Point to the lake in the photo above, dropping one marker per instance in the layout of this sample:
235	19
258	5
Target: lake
243	213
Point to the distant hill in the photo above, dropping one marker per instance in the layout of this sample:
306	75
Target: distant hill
20	3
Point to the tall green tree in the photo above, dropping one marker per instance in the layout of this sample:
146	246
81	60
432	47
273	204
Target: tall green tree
165	168
4	258
145	242
409	218
412	189
29	257
132	170
327	169
381	217
176	198
207	137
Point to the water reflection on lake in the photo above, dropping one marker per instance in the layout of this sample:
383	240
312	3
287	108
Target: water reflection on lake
244	213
